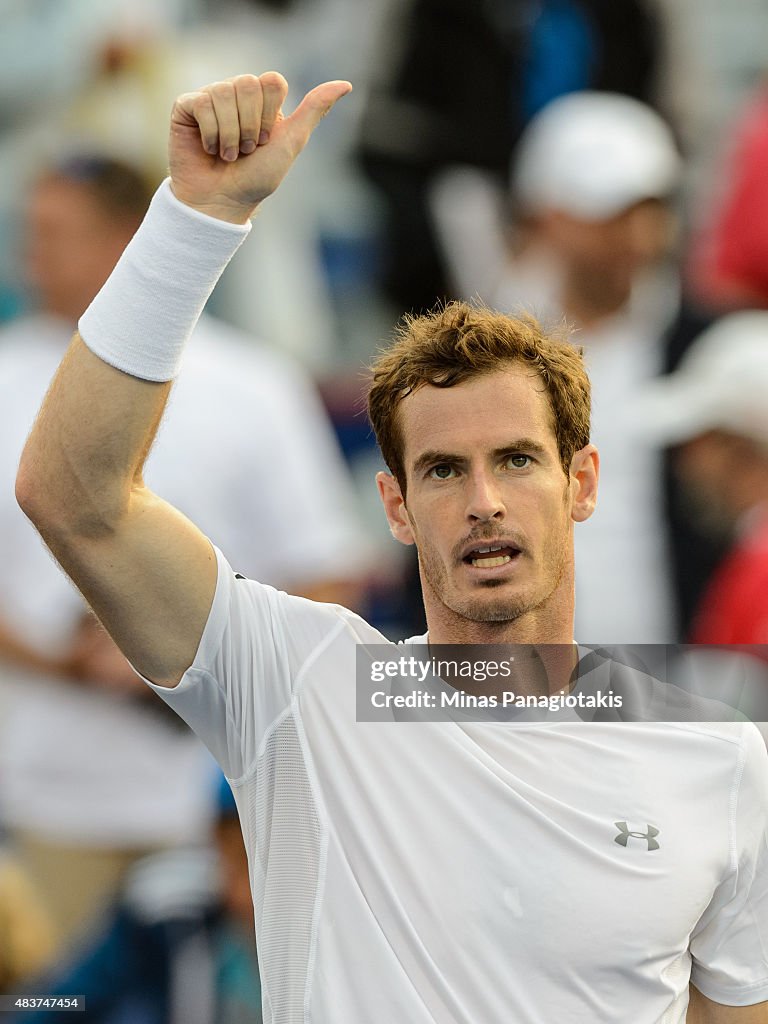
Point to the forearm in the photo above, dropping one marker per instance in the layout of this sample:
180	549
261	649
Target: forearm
82	462
144	569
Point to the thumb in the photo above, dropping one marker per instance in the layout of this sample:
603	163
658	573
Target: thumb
312	109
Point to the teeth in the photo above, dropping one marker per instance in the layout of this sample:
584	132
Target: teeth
489	563
483	551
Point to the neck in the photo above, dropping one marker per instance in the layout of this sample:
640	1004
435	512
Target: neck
547	632
551	622
527	629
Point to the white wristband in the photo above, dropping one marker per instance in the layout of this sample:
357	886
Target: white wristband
148	307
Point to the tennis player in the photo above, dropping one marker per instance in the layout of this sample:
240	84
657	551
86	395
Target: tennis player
467	871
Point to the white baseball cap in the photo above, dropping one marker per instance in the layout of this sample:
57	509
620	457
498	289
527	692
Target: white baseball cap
721	384
594	154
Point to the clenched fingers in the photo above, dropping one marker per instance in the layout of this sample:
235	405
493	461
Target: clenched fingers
224	99
236	115
249	94
275	89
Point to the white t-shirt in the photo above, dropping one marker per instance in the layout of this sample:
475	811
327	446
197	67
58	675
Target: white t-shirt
468	871
623	588
246	451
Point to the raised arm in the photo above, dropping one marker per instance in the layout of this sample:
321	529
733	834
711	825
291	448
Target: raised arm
704	1011
147	572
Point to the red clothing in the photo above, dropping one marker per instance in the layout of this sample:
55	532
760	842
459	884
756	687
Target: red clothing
734	608
730	262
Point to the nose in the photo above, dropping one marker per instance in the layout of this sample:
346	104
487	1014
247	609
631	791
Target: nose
484	500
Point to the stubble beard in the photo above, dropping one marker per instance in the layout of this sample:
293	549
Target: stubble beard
504	607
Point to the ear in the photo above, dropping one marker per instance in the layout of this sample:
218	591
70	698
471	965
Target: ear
585	471
394	506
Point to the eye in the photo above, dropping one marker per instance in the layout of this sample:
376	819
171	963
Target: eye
518	461
441	472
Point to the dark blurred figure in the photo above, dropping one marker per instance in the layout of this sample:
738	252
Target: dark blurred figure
517	55
713	409
179	946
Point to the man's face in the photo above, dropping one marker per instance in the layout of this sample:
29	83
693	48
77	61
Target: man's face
609	253
70	247
483	472
723	476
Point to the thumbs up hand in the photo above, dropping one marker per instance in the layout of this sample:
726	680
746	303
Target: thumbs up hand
231	145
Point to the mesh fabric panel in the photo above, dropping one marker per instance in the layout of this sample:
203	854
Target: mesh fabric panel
283	820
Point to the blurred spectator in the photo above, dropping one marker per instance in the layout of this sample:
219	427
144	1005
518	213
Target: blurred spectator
177	947
713	409
418	124
518	56
93	772
51	54
26	932
308	41
592	187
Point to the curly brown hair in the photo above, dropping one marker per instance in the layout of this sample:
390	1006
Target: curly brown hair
458	341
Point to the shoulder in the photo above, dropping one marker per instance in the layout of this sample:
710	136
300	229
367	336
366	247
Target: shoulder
295	624
743	738
311	618
730	755
656	693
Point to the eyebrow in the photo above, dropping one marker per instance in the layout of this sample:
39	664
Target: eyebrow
434	456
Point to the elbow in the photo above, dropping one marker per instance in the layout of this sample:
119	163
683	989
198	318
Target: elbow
34	498
65	511
29	493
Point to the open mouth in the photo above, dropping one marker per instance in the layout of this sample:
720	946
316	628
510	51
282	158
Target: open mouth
489	556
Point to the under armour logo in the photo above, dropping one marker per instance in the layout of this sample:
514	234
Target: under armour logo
624	834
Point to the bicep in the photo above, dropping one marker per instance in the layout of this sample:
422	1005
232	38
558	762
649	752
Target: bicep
704	1011
150	579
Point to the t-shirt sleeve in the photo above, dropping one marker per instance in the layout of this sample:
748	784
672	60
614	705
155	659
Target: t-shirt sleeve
241	680
730	943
